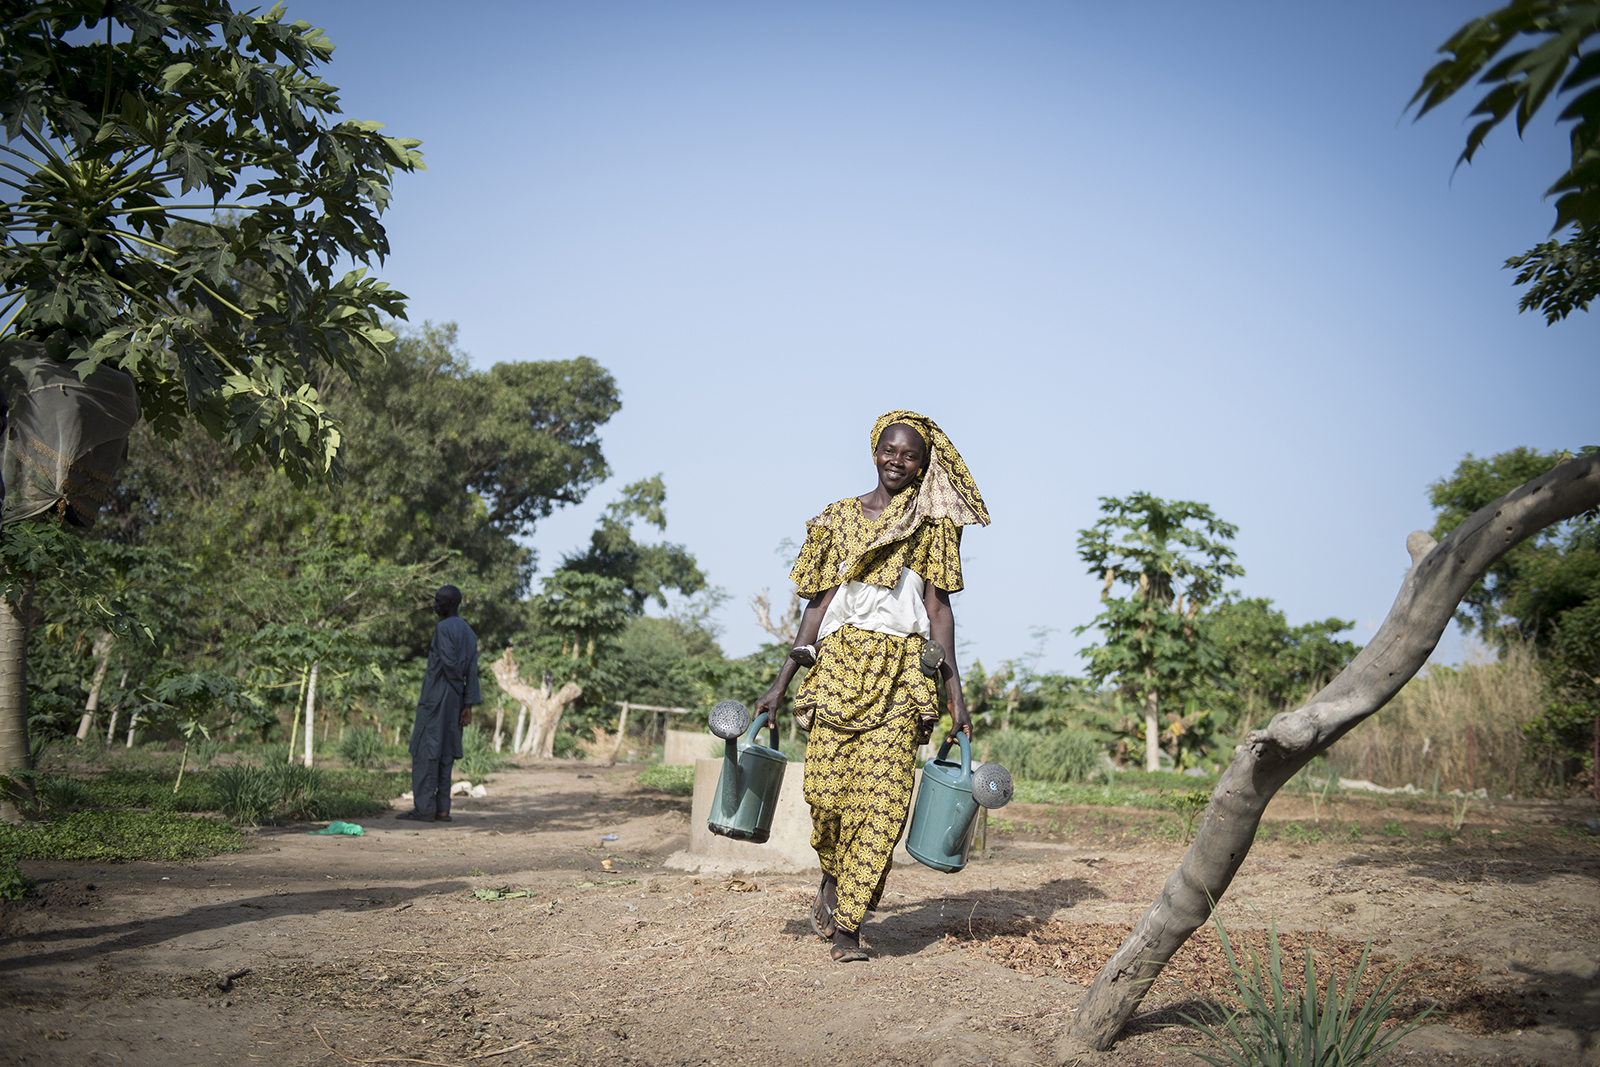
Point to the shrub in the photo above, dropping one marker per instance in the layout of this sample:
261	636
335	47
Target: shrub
679	781
58	793
274	755
202	752
362	747
1282	1027
1063	756
478	757
14	885
247	795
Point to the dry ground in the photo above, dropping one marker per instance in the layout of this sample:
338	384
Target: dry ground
375	949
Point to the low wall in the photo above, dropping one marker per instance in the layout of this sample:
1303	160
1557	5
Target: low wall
682	747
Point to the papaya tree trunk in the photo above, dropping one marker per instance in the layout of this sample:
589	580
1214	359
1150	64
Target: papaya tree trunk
518	733
1152	729
311	702
14	755
1440	575
102	652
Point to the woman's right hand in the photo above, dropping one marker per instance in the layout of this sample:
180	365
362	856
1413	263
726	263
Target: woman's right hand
770	702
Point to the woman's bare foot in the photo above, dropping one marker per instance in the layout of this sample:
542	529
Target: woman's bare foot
823	907
847	946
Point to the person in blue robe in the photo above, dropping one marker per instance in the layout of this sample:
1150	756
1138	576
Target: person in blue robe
449	691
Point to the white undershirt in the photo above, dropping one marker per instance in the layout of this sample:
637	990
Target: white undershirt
872	607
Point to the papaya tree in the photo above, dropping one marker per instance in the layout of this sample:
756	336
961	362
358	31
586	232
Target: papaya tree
1172	557
133	130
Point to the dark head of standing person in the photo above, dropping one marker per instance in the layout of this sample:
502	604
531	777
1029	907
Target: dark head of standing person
447	601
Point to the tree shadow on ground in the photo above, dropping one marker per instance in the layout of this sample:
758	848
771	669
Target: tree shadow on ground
144	933
905	929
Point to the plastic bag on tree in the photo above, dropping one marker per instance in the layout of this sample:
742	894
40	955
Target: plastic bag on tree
65	438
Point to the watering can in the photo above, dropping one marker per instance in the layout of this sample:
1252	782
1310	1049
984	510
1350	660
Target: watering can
940	835
752	774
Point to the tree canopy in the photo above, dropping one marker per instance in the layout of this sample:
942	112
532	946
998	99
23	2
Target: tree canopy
129	127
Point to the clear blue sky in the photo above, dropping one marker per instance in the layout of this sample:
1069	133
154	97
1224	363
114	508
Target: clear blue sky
1193	249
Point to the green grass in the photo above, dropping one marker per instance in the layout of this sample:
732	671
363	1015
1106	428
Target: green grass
679	781
1105	796
118	836
325	793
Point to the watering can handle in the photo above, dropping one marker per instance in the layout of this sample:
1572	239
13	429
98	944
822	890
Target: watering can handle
966	751
763	717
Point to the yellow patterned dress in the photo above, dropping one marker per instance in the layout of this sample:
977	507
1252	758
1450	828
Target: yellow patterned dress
866	703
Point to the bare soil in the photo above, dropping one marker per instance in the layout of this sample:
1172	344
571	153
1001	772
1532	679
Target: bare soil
376	950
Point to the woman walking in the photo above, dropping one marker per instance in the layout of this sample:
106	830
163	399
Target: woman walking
877	571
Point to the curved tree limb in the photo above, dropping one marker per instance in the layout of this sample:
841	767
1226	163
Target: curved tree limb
1440	575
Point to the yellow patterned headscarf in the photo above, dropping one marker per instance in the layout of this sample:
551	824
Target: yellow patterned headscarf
945	487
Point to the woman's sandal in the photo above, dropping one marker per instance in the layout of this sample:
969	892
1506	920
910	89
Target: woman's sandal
848	953
822	917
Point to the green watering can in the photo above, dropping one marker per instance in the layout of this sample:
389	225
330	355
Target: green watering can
752	774
940	835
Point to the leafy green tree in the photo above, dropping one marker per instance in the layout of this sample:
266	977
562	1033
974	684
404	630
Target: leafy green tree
1267	665
313	614
1538	579
440	459
1173	557
1525	54
1545	591
647	572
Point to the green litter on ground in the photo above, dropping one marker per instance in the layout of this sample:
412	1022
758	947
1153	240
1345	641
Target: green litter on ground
505	892
337	827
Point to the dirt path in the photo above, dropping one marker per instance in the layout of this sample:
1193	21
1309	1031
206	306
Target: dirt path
375	950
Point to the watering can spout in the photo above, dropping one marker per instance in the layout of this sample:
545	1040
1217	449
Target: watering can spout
728	783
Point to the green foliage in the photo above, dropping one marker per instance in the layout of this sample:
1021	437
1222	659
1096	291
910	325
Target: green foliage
14	885
679	781
201	100
478	757
1505	595
362	747
1555	60
1281	1025
118	836
1062	756
646	572
1267	665
1561	276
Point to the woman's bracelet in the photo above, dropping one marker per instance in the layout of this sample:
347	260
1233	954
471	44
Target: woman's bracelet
805	655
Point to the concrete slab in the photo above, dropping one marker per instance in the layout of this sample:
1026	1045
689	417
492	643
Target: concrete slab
682	747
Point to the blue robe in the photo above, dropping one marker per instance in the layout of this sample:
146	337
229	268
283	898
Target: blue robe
450	682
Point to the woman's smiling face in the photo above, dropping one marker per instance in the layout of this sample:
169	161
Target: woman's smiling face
899	456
